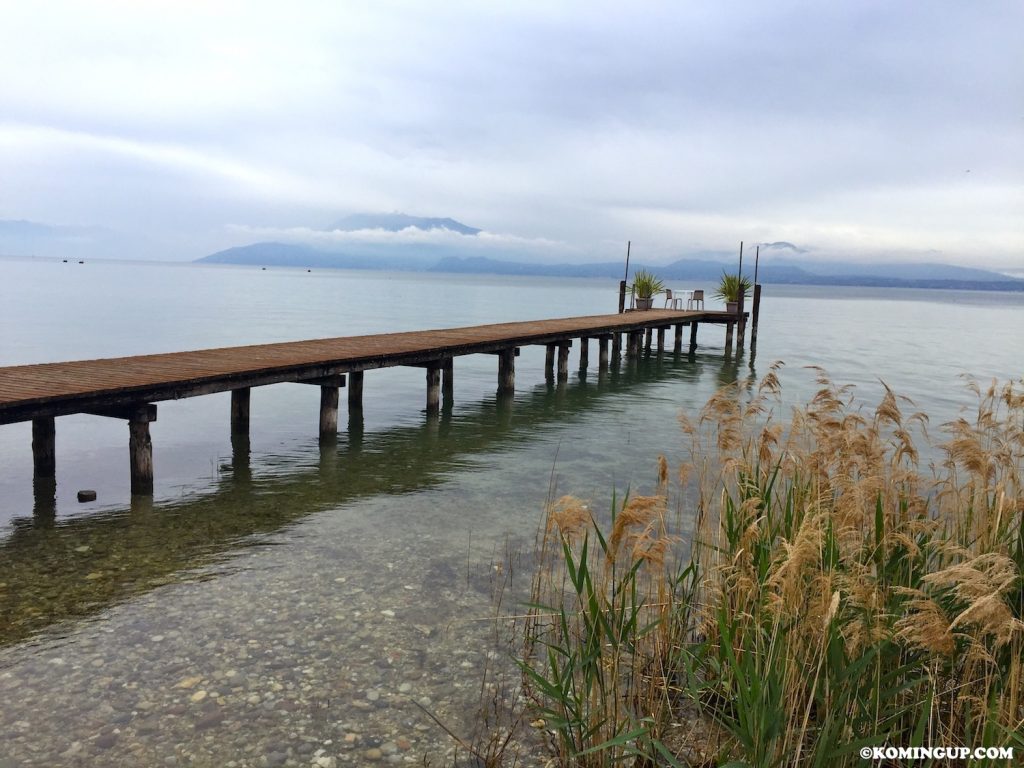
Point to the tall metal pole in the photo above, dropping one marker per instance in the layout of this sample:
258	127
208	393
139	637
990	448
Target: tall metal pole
622	283
756	309
739	305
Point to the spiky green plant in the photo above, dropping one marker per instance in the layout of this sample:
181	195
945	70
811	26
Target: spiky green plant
731	287
646	284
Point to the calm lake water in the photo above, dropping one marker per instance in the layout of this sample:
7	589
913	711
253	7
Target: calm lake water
292	609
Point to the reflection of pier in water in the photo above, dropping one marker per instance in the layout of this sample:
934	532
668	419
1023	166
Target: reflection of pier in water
54	571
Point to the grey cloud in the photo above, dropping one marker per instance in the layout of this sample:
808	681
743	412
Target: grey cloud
681	124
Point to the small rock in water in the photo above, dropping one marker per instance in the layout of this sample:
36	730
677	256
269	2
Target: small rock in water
209	721
190	682
106	740
373	754
87	495
198	696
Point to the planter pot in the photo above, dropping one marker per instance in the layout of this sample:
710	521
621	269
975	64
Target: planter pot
732	307
642	303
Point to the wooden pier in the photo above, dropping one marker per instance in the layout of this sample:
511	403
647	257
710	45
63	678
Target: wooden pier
128	388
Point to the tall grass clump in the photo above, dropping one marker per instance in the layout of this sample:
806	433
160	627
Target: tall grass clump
596	633
838	594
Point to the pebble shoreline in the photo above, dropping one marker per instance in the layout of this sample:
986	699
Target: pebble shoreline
311	654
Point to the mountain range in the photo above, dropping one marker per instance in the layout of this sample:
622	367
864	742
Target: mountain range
375	241
445	257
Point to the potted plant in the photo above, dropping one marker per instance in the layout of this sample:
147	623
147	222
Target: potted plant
645	286
731	288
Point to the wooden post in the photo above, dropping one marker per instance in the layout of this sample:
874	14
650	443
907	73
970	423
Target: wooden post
448	381
584	353
602	353
622	296
647	339
140	452
549	361
616	346
661	339
755	310
677	347
433	390
693	336
634	343
741	332
44	445
507	370
563	360
328	411
728	337
240	399
355	394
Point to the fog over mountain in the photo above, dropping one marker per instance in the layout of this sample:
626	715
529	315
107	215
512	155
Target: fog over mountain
463	249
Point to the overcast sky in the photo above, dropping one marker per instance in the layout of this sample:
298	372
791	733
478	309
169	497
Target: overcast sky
867	129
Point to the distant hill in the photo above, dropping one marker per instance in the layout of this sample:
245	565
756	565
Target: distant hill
898	271
435	258
396	222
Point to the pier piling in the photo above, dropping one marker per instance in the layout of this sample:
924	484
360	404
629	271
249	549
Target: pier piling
240	400
355	395
602	352
677	346
44	447
754	312
140	450
433	390
506	371
563	360
328	411
448	381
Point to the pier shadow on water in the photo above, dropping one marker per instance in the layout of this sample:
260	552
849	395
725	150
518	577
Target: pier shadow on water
55	571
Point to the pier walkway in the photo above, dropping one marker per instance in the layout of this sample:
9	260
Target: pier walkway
129	387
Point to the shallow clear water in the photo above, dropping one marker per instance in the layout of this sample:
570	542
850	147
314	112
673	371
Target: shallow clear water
293	605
